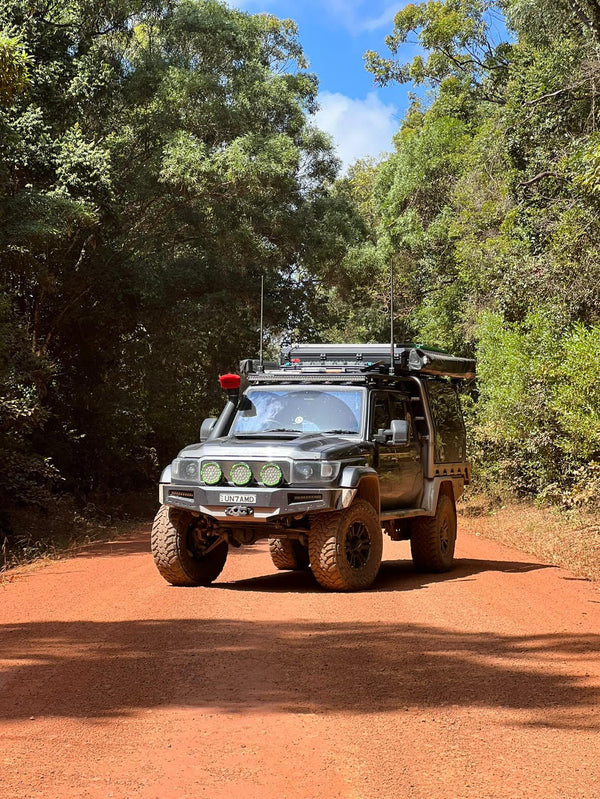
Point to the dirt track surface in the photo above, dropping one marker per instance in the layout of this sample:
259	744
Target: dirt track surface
482	683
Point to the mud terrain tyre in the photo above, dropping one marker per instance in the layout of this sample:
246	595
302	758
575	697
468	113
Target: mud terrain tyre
287	553
432	539
177	552
345	547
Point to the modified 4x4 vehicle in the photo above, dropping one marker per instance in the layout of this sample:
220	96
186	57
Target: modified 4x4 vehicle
320	455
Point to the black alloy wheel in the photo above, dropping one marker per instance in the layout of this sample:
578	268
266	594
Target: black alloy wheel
358	545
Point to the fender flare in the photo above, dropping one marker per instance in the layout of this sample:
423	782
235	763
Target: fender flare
453	487
352	475
365	483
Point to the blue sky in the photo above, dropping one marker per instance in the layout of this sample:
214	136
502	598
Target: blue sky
335	33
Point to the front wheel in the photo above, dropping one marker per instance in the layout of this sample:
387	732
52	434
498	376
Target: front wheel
432	539
345	547
182	552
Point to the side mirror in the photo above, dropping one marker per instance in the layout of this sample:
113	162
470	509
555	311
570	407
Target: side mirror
400	431
206	427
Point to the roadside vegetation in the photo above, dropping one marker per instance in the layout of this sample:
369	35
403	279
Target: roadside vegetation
158	157
566	538
489	211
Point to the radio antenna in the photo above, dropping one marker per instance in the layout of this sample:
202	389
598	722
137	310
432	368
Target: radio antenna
262	309
392	348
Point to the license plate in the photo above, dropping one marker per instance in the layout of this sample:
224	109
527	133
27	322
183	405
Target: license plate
237	499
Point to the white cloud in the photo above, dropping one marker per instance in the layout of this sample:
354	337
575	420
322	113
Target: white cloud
359	128
353	15
384	20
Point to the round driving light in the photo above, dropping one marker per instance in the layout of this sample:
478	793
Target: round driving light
240	474
271	475
211	473
188	469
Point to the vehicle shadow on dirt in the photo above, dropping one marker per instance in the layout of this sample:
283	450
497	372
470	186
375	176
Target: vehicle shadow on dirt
137	543
394	575
113	669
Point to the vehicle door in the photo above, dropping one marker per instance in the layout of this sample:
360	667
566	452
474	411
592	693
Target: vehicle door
399	466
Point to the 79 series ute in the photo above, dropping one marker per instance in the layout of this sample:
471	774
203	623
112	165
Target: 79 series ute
322	454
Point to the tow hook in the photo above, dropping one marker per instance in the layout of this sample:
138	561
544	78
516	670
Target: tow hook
239	510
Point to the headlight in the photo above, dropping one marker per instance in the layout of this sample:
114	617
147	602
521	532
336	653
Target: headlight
271	475
186	469
240	474
211	473
315	471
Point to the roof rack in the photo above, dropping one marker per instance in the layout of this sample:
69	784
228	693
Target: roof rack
346	360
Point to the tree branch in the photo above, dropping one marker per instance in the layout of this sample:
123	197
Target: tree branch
558	92
589	16
540	176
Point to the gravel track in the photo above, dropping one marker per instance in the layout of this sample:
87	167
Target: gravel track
479	684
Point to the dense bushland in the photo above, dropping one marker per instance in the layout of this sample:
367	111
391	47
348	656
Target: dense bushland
489	210
157	157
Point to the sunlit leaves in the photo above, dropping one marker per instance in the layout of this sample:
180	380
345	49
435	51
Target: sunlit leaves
458	40
158	161
14	68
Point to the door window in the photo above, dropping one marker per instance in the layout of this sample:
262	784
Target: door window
380	414
449	426
388	405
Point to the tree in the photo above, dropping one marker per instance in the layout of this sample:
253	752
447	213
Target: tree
460	42
158	162
14	68
489	210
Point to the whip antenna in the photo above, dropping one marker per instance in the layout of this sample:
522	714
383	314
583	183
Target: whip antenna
392	349
262	309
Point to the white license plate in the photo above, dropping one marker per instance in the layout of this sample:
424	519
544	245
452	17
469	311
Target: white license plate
238	499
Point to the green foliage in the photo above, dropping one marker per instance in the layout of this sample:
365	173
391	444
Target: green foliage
586	165
156	162
458	39
489	212
538	411
14	68
157	157
576	401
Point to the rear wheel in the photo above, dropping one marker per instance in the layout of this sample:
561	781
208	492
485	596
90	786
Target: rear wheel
287	553
183	552
432	539
345	547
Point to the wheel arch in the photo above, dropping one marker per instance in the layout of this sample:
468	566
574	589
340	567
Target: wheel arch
447	488
433	489
368	489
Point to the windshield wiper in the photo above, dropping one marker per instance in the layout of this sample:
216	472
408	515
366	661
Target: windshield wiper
341	432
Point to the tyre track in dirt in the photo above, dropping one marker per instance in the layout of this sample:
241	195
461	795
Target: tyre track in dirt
481	683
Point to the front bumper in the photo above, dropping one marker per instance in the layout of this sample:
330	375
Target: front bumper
231	505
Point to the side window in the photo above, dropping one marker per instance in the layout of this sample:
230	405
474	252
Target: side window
398	407
385	406
400	411
380	412
450	445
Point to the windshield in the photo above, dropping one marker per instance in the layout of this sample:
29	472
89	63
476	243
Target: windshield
306	410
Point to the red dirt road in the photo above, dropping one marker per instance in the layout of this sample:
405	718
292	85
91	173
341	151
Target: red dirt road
481	683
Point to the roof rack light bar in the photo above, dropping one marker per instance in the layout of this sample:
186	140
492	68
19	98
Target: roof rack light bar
326	360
